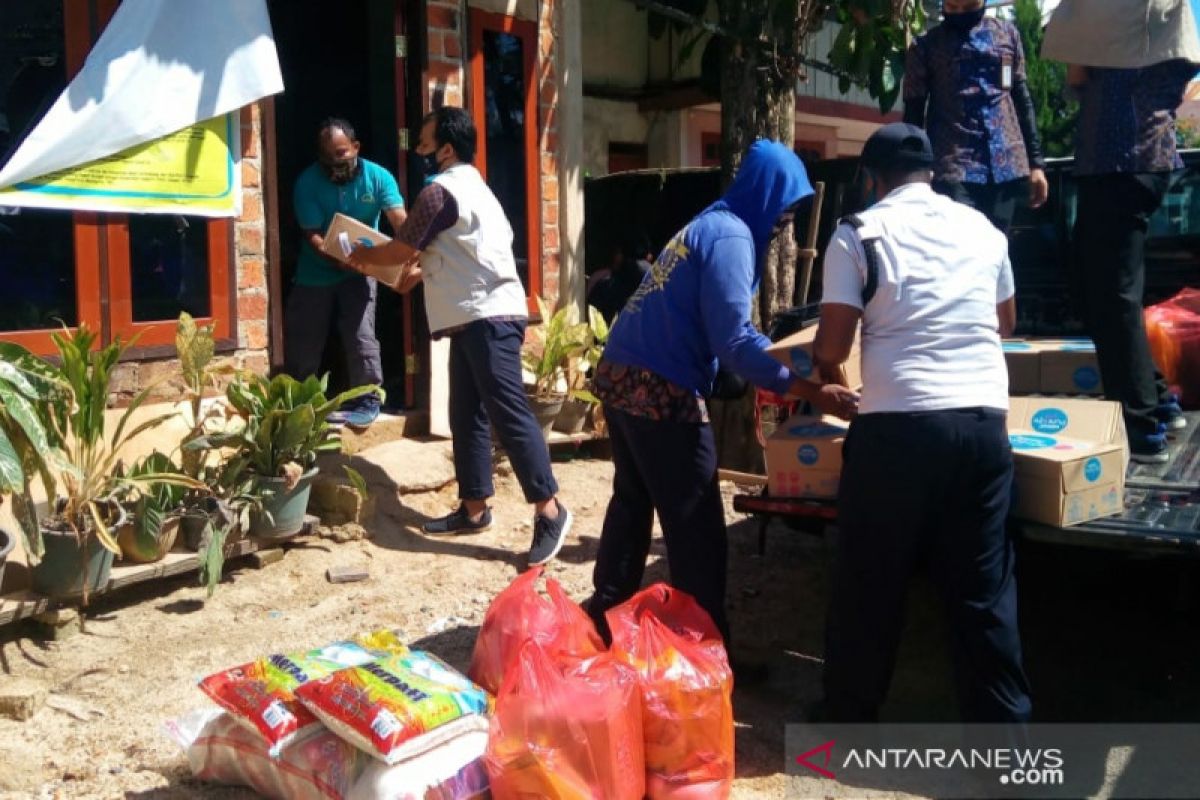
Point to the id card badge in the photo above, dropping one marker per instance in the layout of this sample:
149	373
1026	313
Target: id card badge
1006	74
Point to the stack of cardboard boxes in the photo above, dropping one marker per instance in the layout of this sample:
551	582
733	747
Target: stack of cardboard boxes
1070	453
804	454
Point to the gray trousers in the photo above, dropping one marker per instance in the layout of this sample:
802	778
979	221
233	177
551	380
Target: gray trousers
309	312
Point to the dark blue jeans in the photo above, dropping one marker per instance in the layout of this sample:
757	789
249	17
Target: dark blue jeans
485	383
671	468
929	487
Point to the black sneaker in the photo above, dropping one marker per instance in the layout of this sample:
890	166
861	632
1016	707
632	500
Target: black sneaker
458	522
549	535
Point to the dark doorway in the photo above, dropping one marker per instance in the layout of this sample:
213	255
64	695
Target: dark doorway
339	60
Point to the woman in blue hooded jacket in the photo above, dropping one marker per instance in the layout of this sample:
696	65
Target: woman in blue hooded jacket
691	311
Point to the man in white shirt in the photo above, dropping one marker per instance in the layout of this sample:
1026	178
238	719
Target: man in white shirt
927	464
474	296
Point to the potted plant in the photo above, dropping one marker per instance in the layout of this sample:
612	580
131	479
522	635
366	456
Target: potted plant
202	508
554	343
580	399
76	540
28	444
284	427
153	512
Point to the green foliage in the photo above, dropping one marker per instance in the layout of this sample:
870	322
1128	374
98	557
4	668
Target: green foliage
560	338
30	445
153	502
90	475
869	48
1057	114
585	364
286	423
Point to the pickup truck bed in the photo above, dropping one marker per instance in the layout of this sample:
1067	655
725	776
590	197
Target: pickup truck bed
1162	506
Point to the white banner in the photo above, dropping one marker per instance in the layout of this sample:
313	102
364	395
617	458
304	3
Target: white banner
1125	34
161	66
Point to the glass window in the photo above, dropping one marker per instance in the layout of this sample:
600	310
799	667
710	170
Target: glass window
168	262
37	252
504	79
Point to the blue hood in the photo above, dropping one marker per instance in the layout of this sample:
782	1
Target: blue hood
770	179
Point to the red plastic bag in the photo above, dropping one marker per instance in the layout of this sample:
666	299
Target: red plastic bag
1173	328
519	613
687	692
568	729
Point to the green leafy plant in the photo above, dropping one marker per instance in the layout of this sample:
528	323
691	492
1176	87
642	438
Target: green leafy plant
286	423
151	505
583	366
555	342
30	446
89	478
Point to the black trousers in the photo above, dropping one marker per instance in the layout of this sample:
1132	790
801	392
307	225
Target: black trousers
1110	243
929	488
485	384
996	201
671	468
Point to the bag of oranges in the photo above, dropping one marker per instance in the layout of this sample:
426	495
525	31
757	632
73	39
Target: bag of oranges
519	613
566	728
687	692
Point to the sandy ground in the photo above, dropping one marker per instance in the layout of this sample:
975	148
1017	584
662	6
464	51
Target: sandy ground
144	650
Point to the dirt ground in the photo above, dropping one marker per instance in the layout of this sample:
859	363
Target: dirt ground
1112	642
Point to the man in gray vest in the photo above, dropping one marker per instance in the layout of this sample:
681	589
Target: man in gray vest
474	296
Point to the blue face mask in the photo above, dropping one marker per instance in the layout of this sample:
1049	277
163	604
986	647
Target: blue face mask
965	20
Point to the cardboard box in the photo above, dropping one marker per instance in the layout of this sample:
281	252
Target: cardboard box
796	353
1098	421
804	457
356	233
1052	366
1063	482
1023	359
1068	366
1070	458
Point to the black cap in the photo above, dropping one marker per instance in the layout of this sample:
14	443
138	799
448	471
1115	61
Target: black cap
897	144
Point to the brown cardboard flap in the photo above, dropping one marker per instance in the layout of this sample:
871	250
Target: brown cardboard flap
359	234
796	353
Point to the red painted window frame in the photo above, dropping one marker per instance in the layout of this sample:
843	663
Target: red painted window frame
103	284
479	22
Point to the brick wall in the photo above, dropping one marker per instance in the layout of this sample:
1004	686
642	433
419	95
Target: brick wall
253	303
448	56
547	77
447	52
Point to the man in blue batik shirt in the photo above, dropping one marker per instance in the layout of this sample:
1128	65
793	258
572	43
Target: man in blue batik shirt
1124	159
964	82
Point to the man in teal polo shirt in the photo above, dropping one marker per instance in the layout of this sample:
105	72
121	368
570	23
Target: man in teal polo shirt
326	291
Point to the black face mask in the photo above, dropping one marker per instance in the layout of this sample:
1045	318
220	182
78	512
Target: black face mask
341	171
429	164
965	20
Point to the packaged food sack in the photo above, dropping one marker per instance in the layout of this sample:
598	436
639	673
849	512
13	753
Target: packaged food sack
324	766
567	728
687	692
519	613
261	695
382	705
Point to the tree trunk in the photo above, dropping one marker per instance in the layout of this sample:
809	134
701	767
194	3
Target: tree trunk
758	100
